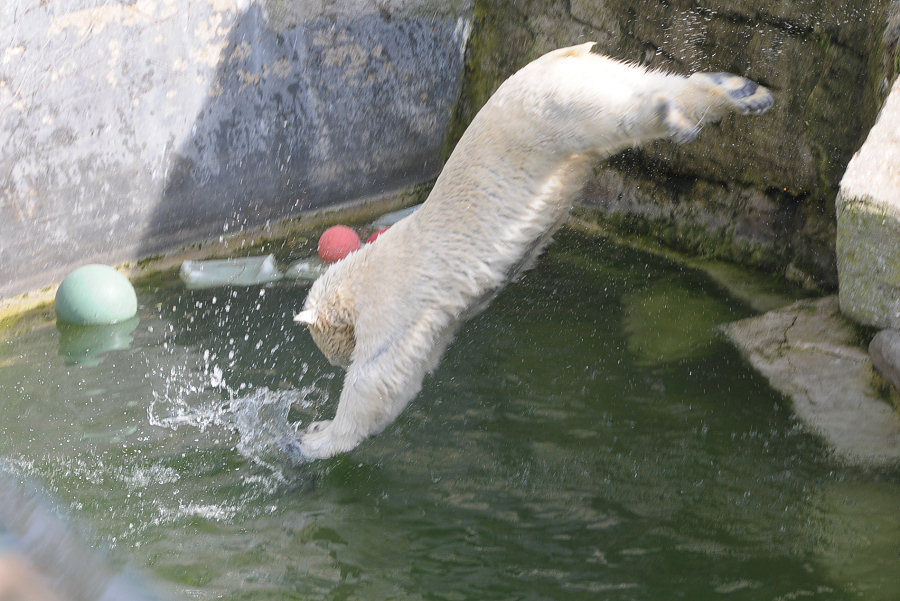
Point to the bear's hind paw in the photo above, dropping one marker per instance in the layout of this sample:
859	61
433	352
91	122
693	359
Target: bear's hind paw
745	95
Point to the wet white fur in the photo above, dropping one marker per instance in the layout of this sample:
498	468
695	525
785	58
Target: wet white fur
387	311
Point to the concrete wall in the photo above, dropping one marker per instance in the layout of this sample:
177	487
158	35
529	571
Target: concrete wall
128	128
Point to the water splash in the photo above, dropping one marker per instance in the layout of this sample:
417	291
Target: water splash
199	396
261	419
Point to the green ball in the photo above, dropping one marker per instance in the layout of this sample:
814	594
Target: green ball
94	295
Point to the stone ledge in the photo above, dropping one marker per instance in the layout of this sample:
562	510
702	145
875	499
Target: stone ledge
884	351
809	352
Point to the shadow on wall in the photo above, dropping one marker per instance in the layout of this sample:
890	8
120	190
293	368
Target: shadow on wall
301	117
133	128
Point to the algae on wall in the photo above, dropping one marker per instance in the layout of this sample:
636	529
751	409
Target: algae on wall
757	191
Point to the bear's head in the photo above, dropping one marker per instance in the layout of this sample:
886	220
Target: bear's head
330	317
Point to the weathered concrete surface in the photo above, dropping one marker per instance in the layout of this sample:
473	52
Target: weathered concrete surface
868	224
808	351
133	127
757	191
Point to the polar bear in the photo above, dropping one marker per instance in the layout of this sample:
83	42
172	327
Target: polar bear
387	311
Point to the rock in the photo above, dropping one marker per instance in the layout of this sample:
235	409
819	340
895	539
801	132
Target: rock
808	352
868	224
884	350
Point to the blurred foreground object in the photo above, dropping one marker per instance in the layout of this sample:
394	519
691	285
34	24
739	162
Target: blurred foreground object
41	559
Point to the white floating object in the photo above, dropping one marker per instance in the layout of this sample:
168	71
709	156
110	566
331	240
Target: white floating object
307	269
246	271
389	219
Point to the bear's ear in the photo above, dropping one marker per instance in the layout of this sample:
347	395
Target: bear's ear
308	317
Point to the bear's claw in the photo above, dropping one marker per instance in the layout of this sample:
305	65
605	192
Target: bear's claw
291	447
317	426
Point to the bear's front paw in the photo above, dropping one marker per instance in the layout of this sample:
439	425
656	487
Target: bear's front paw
320	440
315	441
312	443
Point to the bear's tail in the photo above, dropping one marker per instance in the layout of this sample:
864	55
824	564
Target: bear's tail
707	97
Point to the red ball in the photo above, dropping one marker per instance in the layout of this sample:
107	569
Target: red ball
337	242
374	236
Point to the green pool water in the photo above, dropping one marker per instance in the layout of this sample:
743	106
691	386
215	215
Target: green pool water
587	437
